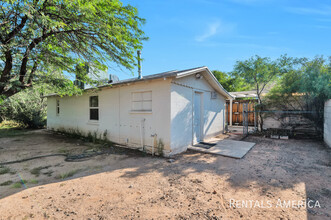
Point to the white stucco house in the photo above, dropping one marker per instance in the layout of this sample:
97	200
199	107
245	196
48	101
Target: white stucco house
168	111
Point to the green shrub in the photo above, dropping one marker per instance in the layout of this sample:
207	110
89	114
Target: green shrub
10	125
26	107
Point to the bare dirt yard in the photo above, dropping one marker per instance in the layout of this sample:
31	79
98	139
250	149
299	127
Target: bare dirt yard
275	180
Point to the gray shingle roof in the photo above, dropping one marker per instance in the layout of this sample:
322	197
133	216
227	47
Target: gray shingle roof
173	73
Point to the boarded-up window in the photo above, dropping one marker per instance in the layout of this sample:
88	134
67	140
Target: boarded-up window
57	107
94	108
142	101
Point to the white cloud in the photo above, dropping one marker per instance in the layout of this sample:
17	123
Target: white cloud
215	28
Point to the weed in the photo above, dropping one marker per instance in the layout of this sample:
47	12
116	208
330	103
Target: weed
33	181
19	184
63	151
11	132
89	137
48	173
4	170
16	185
160	147
71	132
67	175
10	124
11	128
105	135
6	183
36	171
94	137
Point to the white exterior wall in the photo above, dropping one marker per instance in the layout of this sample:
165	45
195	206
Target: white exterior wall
327	122
182	96
171	118
115	115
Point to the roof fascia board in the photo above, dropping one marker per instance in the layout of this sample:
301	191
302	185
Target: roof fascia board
217	84
187	73
227	94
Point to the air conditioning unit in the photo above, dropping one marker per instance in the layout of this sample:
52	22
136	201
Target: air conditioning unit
113	78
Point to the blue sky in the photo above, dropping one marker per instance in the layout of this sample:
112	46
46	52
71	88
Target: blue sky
216	33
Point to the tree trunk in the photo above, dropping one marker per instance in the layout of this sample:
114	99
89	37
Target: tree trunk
6	71
260	111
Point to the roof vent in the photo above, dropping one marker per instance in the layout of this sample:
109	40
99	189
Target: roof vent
113	78
198	76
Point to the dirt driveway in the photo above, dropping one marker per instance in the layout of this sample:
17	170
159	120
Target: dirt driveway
273	181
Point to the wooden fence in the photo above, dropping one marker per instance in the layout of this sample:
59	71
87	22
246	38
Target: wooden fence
237	111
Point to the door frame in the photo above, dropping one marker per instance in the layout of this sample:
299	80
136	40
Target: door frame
201	116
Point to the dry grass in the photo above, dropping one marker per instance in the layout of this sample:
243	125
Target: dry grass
67	174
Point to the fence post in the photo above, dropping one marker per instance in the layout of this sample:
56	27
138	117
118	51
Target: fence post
245	119
255	119
230	112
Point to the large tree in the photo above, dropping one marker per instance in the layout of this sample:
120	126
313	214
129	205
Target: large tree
35	34
260	71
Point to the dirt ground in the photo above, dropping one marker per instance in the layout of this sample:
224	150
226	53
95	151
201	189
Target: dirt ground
275	180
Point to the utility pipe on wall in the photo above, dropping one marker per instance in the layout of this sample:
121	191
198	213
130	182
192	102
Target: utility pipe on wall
141	133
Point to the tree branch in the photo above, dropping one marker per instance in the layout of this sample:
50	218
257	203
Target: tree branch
32	45
16	30
35	65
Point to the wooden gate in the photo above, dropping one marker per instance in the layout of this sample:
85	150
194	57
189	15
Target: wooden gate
237	111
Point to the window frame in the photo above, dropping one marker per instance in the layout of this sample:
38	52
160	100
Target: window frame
94	107
142	110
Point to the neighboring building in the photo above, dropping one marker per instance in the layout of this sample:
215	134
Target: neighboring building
167	111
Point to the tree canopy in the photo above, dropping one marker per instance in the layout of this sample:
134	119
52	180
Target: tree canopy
260	71
36	34
230	82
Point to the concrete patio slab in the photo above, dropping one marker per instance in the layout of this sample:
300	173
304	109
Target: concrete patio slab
228	148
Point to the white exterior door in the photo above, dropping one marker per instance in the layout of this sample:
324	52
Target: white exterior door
197	114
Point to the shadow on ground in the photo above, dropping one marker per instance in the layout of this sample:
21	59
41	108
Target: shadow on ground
194	185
